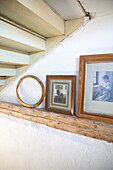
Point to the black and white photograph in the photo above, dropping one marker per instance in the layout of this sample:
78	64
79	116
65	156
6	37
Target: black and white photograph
60	93
102	86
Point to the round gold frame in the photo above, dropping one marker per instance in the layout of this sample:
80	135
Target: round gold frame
42	87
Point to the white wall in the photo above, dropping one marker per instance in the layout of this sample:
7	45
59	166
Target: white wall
29	146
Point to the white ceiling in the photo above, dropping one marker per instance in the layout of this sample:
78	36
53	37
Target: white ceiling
67	9
70	9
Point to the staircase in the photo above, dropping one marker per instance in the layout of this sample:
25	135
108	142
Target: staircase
28	30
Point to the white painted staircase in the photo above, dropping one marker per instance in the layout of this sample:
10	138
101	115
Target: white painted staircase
28	30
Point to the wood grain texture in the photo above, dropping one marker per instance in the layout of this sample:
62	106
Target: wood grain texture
89	128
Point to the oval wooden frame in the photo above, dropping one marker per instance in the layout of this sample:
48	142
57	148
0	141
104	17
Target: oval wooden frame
42	87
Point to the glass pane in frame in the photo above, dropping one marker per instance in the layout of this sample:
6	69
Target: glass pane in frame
99	88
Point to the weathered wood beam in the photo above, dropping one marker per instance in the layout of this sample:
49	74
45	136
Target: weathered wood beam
89	128
18	36
45	15
8	57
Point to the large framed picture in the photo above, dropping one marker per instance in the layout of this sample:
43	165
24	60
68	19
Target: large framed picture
60	94
95	95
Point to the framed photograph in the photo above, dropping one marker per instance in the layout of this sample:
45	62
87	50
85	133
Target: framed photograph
95	95
60	94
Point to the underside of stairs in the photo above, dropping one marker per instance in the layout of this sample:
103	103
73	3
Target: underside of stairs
28	30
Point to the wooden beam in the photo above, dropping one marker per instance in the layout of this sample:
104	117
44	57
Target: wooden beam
8	57
89	128
19	37
7	70
72	25
45	15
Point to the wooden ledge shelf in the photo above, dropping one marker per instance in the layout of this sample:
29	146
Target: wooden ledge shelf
90	128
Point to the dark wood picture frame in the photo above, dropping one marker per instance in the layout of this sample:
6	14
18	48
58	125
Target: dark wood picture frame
60	79
87	59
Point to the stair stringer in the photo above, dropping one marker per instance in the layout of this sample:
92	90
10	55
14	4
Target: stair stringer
51	43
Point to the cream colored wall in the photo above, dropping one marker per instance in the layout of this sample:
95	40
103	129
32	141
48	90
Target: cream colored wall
29	146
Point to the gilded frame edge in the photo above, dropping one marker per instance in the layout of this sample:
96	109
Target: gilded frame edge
42	87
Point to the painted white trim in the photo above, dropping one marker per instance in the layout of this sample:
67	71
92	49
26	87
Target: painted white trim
45	14
2	81
8	57
19	36
4	71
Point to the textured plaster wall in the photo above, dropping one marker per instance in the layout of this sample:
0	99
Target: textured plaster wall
28	146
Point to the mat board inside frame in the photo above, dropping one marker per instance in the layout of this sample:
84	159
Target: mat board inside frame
99	88
60	94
